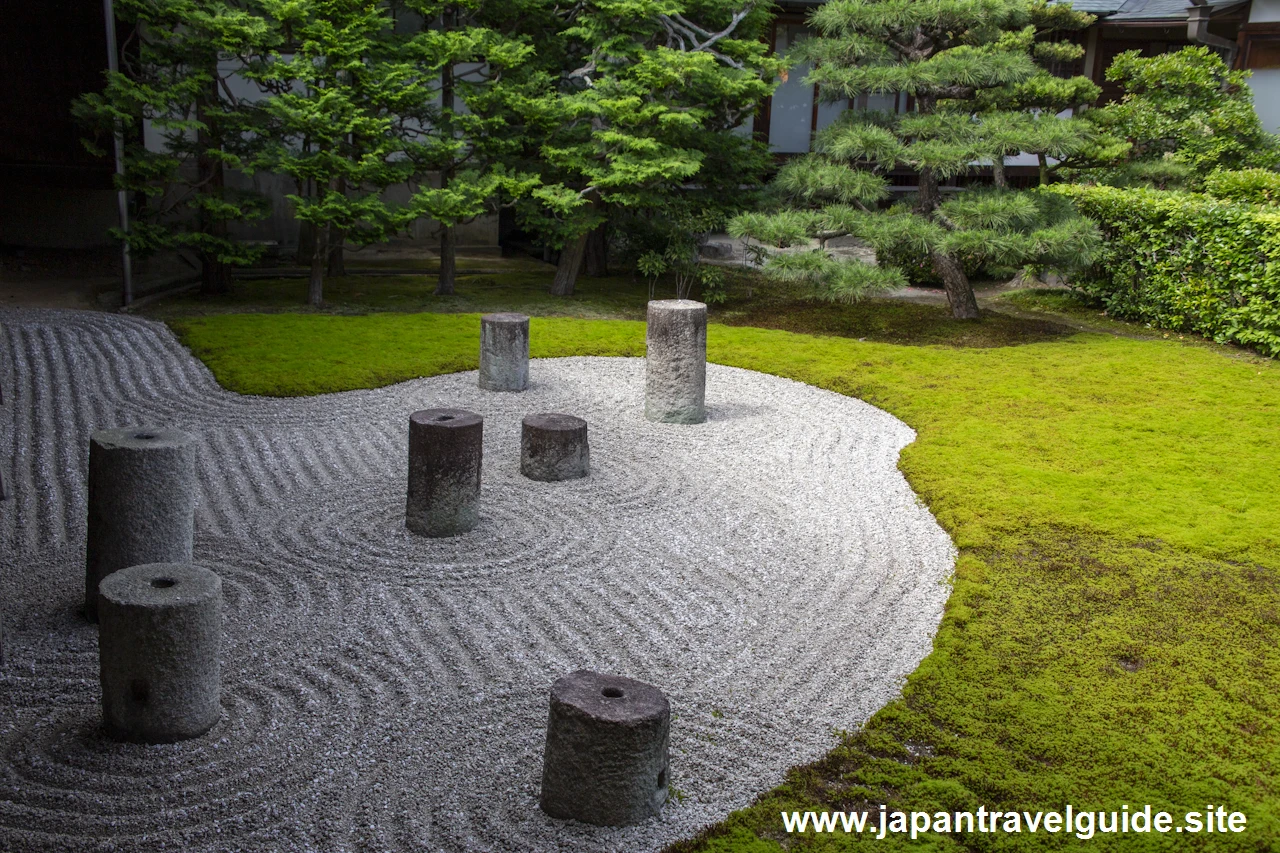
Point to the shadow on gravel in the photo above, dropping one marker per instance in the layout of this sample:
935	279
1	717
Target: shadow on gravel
894	321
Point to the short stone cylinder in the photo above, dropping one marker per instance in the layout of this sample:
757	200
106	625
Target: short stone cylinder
504	352
142	498
606	759
446	447
554	447
676	362
159	641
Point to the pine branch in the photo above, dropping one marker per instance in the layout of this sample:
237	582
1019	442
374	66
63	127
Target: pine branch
583	72
679	28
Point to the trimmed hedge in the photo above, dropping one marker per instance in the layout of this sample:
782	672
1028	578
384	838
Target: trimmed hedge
1186	262
1254	186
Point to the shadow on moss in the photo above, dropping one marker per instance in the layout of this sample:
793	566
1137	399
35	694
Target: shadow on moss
899	322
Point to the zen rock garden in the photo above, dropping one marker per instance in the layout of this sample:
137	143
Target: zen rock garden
561	600
160	616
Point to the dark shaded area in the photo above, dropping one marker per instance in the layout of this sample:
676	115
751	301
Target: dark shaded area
894	321
36	264
50	53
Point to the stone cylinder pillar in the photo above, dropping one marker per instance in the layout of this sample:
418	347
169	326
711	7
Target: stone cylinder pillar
159	640
504	352
554	447
606	758
676	362
445	451
142	498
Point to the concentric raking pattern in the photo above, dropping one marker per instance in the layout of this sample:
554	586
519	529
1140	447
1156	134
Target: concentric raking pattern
769	569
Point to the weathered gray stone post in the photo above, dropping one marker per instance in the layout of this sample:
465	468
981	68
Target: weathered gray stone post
606	757
142	498
504	352
676	362
554	447
445	451
159	640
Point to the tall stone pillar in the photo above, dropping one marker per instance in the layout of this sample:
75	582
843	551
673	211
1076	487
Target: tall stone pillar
676	362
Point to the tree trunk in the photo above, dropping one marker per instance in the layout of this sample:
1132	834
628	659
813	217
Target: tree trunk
930	197
214	277
448	261
337	258
570	263
1044	169
337	261
449	236
315	287
597	251
997	172
306	234
964	306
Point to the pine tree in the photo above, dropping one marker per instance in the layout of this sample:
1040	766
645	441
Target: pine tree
174	74
640	86
462	128
329	120
976	74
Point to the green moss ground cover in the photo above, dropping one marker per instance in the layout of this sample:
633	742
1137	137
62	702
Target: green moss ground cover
894	321
1112	632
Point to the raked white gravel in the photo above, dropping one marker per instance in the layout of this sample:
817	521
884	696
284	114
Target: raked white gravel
770	569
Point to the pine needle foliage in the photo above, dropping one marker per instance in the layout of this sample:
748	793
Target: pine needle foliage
334	95
461	122
978	73
174	77
1183	115
646	97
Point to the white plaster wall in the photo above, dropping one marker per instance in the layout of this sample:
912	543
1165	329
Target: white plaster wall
1265	83
1264	10
791	115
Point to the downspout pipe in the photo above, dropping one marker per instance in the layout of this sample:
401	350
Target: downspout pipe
1198	30
122	196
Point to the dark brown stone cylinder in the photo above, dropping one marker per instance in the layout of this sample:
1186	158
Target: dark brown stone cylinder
606	759
554	447
445	452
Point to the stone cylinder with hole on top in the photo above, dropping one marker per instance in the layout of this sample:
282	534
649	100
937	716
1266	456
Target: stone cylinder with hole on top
554	447
504	352
142	499
676	362
445	451
606	759
159	641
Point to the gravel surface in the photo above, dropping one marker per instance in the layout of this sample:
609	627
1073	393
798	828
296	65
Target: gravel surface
769	569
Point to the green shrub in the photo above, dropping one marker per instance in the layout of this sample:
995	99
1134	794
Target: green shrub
1187	107
1185	261
1253	186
